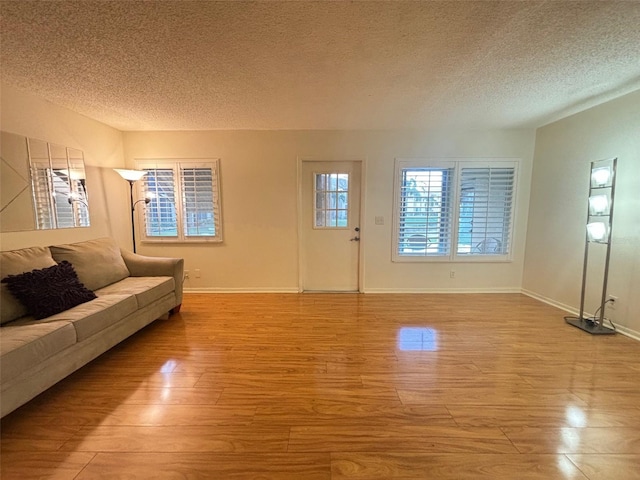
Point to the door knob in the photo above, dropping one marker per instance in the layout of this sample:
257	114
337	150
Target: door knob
354	239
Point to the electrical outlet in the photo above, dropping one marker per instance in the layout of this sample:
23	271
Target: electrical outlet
612	301
452	274
197	273
186	274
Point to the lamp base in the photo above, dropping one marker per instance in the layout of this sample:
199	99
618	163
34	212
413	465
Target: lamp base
589	326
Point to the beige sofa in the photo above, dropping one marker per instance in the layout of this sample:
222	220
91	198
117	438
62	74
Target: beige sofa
131	291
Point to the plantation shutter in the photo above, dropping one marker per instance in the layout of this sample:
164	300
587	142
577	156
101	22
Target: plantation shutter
485	216
160	215
199	209
425	212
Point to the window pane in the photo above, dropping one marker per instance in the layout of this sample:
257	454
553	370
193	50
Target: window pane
160	214
343	182
425	212
343	219
331	200
197	201
486	200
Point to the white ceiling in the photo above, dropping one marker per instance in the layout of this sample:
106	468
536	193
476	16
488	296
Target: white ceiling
181	65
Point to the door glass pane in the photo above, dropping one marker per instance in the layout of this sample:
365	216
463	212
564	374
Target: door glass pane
331	200
342	218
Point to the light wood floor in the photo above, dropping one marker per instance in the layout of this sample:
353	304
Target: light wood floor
342	387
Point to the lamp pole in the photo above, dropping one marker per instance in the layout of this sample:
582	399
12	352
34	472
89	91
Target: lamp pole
132	176
133	223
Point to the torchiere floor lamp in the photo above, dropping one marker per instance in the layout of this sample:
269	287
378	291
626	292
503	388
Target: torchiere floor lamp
133	176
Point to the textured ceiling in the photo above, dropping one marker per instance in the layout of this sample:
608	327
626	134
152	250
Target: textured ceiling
180	65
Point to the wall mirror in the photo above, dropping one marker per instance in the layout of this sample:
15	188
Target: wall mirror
43	185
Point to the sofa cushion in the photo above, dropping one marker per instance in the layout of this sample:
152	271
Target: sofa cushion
49	290
25	346
15	262
94	316
98	263
146	289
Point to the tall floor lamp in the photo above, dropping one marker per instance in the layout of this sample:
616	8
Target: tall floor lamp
602	189
133	176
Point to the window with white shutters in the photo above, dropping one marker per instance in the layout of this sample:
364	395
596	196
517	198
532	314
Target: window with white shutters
453	210
183	201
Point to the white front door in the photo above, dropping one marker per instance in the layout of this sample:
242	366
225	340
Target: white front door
330	226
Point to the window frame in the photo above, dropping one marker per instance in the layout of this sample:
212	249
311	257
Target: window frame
455	189
336	192
176	165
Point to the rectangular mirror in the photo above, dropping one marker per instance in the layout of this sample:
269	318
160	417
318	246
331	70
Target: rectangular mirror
58	181
42	185
16	205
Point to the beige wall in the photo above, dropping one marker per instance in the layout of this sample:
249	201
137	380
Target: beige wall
557	215
259	196
259	202
32	116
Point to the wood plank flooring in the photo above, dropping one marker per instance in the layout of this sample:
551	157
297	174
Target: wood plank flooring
336	387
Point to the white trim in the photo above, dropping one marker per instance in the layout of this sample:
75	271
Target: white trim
242	290
444	290
368	291
627	332
549	301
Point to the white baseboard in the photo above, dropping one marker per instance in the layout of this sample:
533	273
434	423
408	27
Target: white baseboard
442	290
550	301
368	290
627	332
241	290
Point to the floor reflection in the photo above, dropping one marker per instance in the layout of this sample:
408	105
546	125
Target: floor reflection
576	416
570	440
168	366
567	467
414	339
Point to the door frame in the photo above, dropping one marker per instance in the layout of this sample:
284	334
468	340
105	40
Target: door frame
301	247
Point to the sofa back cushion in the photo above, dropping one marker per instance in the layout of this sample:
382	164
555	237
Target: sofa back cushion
15	262
98	263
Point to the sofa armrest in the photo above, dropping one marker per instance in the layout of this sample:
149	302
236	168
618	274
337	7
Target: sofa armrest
142	266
